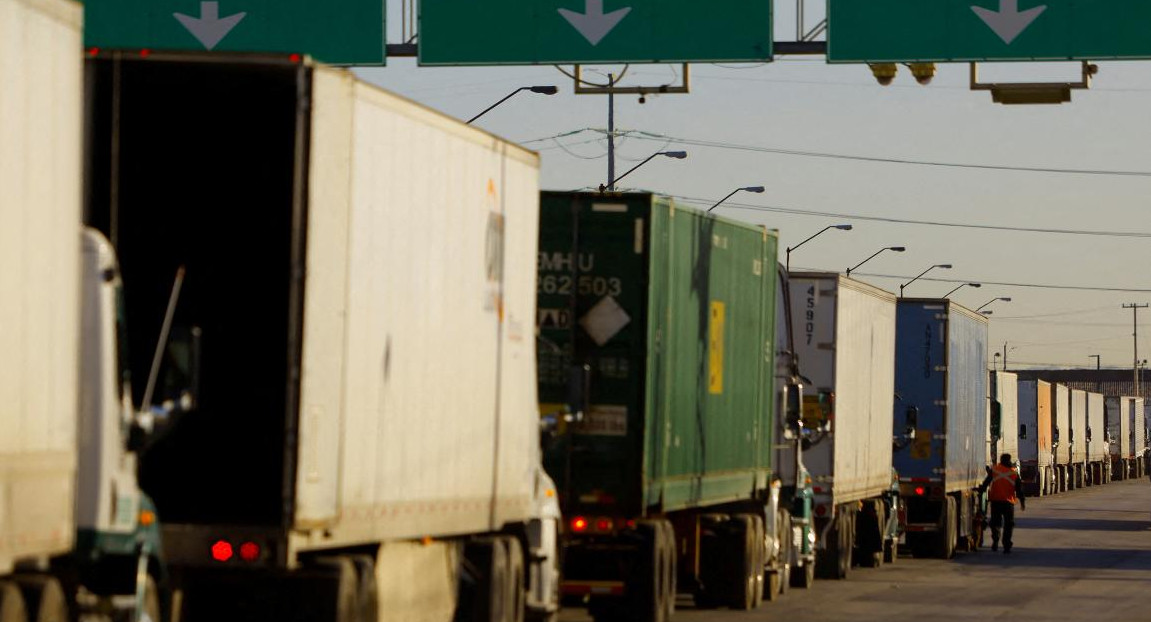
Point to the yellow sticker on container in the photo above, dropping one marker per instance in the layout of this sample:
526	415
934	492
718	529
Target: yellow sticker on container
715	348
921	446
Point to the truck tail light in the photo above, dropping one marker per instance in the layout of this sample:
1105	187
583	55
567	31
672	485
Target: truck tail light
603	524
250	551
920	491
222	551
579	524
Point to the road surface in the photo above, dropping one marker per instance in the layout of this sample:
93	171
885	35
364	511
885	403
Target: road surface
1083	555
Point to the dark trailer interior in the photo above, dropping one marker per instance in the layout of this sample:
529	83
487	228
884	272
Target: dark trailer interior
193	163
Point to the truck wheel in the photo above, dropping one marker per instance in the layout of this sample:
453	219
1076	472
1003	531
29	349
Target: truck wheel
12	607
343	570
646	600
367	593
759	554
778	576
714	567
489	557
869	535
804	577
44	598
891	550
946	536
671	588
516	597
744	560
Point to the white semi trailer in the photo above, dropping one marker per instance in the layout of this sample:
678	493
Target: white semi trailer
360	293
76	534
845	340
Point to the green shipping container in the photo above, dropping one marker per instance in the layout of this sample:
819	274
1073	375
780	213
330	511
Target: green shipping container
673	312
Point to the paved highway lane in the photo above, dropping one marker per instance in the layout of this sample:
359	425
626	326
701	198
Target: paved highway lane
1083	555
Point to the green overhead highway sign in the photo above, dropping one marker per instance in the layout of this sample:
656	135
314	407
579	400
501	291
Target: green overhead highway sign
987	30
525	32
345	33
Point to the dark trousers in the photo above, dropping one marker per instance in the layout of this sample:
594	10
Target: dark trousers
1002	514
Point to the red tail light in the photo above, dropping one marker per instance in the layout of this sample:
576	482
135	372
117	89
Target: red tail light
249	551
603	524
920	491
222	551
579	524
820	510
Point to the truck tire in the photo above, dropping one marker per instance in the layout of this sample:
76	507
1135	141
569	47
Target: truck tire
44	598
671	576
12	607
646	598
746	564
485	599
516	595
835	563
804	577
367	592
776	577
946	537
713	567
347	606
759	551
869	534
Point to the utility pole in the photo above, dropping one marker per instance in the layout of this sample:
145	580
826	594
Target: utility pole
611	132
1004	356
1135	341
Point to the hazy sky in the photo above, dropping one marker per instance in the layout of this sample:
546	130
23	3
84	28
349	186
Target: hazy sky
804	104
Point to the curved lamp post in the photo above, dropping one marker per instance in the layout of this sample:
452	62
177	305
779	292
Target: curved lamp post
756	189
898	249
942	266
678	155
787	265
976	285
542	90
1001	299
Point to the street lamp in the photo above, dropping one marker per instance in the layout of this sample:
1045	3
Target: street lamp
787	266
542	90
679	155
995	361
898	249
993	300
756	189
975	285
942	266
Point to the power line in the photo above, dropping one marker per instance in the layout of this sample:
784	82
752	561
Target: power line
905	221
1031	285
839	156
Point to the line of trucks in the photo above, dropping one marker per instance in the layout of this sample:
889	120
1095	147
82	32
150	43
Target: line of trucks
276	344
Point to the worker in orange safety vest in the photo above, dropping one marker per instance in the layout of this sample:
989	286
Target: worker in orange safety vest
1006	488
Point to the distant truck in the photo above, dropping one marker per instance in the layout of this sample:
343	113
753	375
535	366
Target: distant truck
1003	417
1098	450
1061	439
356	314
1138	437
1036	457
941	378
845	341
1118	415
1078	416
76	535
657	356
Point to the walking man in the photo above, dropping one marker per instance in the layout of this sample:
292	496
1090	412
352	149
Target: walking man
1006	488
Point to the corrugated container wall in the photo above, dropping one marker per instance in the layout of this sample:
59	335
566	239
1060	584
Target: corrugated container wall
1035	422
1138	427
845	339
1097	450
1005	390
418	410
940	369
1078	411
674	312
1118	413
40	203
1061	422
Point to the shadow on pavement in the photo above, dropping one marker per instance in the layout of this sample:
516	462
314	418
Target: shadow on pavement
1082	559
1086	524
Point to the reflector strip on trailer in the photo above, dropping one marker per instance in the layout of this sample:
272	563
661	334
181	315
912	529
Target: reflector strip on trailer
928	527
585	588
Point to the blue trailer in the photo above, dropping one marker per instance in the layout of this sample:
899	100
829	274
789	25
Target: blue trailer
940	422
